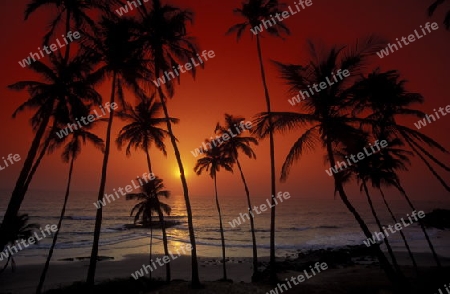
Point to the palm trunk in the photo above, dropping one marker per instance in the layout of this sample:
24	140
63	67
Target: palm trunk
401	232
165	243
19	191
386	241
222	237
66	55
272	164
252	224
98	218
55	236
411	205
194	262
151	245
384	262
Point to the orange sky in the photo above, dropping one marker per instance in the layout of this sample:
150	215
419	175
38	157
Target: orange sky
230	83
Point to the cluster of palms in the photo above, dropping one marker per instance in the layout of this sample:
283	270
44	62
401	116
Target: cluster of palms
129	52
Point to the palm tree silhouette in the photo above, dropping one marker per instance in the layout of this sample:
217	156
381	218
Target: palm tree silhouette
326	115
433	8
143	130
149	203
213	159
118	53
231	148
255	11
164	34
69	155
62	87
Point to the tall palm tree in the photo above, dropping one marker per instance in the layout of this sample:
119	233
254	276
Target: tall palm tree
143	130
69	155
119	56
212	160
433	8
61	86
232	147
150	203
327	114
164	33
254	12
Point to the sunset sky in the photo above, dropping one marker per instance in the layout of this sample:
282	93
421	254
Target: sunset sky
230	83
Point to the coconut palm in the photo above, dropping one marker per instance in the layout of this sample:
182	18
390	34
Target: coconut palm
21	230
143	130
164	32
119	56
149	204
71	151
327	114
254	12
213	159
433	8
61	86
232	147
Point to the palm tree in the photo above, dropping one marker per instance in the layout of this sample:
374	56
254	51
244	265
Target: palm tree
254	12
120	57
164	33
62	86
21	230
69	155
213	159
327	114
143	129
232	147
433	8
149	203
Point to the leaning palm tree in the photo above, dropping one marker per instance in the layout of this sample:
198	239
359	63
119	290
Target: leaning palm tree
71	151
119	56
21	230
254	12
433	8
164	34
149	204
326	115
212	160
143	130
232	147
62	86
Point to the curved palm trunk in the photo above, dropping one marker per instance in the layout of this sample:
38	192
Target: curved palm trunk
427	237
222	237
384	262
252	224
401	231
272	164
194	263
386	241
165	244
55	236
18	193
99	214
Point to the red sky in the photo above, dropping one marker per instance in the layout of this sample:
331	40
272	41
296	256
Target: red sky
230	83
